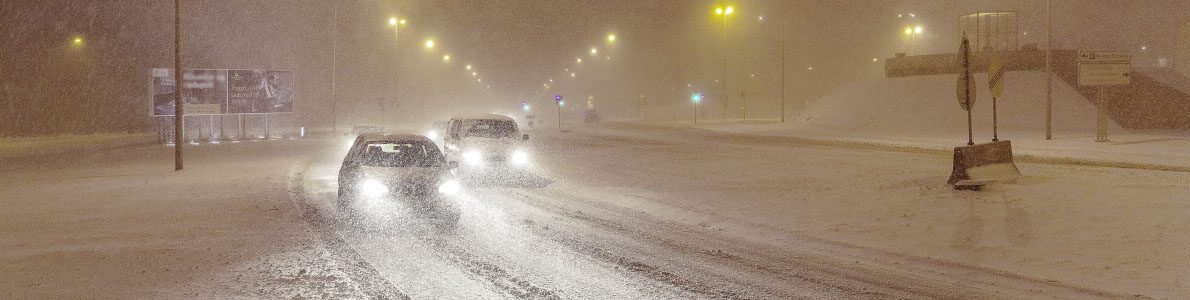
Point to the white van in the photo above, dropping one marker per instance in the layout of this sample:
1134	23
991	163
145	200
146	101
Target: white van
485	141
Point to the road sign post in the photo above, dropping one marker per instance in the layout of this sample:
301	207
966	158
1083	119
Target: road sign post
966	86
559	103
996	85
1102	69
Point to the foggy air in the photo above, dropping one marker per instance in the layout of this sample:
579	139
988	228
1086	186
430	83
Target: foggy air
575	149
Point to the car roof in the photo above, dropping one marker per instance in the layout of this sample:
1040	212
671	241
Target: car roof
481	117
398	137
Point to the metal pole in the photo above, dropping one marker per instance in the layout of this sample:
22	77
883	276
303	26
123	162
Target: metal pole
995	133
334	71
1049	100
1101	121
967	89
559	105
178	111
726	97
782	63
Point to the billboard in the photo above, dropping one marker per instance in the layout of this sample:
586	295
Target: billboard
214	92
260	91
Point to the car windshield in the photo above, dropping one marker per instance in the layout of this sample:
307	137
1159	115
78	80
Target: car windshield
401	155
492	129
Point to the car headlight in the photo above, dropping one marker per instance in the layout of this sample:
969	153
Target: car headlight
520	157
473	157
373	188
450	187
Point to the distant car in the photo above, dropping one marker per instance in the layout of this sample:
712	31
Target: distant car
591	116
485	141
437	130
407	168
365	129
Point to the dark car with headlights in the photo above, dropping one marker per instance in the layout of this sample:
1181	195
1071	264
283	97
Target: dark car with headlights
408	169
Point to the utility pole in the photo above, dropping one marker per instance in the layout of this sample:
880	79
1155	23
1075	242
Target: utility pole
1049	89
178	131
334	71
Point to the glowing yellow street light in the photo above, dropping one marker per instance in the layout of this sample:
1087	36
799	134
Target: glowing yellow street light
474	73
468	67
578	60
594	51
908	30
611	38
718	11
917	29
572	75
429	43
78	41
728	11
402	21
392	21
446	57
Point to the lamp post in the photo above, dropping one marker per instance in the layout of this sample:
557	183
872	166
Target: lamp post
723	82
396	23
912	32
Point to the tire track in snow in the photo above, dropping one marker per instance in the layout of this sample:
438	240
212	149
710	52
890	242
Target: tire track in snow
370	282
377	287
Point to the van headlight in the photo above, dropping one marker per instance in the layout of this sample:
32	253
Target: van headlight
449	187
520	157
473	158
372	188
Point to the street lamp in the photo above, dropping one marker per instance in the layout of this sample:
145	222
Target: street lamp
429	43
912	32
578	60
446	58
611	37
468	67
723	84
78	41
594	51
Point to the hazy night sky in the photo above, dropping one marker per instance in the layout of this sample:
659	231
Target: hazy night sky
518	45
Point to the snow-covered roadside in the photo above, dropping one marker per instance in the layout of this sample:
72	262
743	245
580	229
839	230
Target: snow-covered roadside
1142	150
120	223
1099	228
15	147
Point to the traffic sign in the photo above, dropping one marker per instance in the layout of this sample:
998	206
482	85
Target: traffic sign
1104	67
1104	74
1104	57
996	76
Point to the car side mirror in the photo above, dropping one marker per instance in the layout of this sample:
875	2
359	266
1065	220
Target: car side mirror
452	164
524	137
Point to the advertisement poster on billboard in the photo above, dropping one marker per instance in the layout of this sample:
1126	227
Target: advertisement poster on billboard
203	91
163	92
259	91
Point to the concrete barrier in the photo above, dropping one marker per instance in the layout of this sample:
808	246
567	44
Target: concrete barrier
984	163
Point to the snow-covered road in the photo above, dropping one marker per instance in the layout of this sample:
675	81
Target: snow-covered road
612	211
